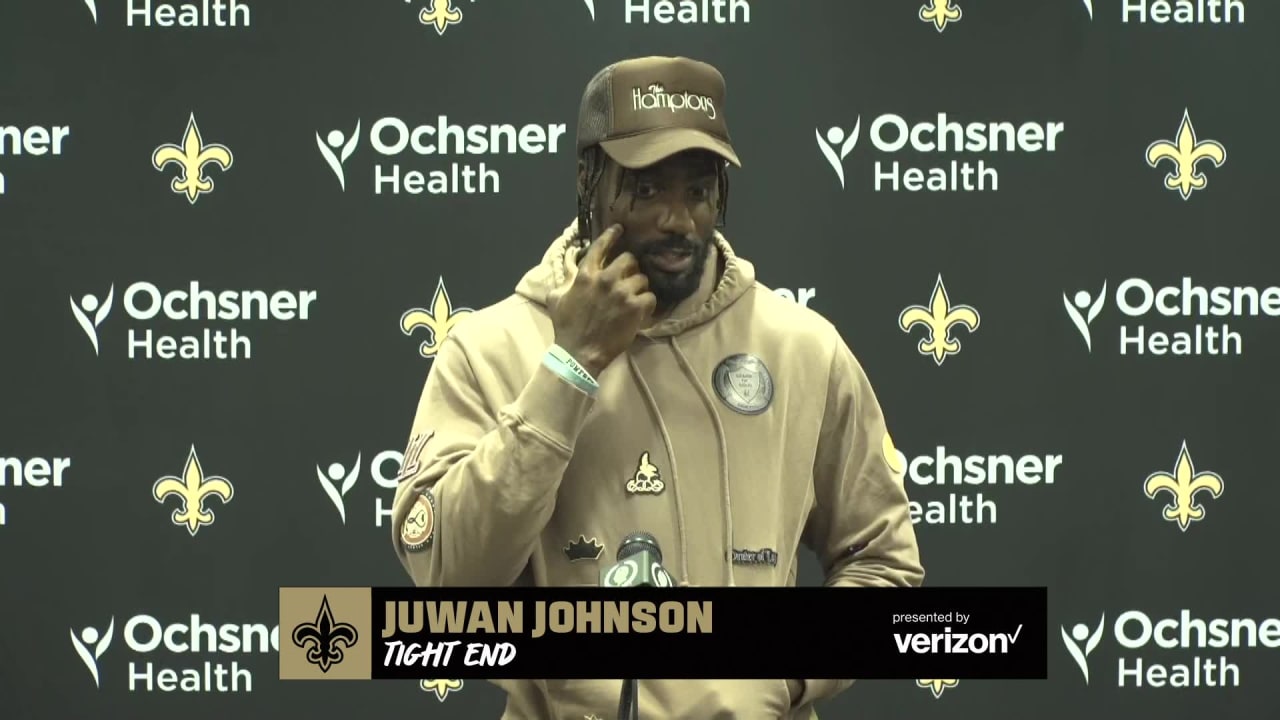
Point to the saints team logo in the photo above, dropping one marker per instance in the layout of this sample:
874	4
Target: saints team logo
325	639
646	480
939	13
191	157
939	320
1183	156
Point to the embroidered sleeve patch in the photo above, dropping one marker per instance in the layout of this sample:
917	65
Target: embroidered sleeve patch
419	527
410	465
892	457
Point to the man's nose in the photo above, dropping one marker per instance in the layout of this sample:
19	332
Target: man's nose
676	219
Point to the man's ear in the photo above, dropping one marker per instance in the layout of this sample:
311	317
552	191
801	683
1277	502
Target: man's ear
582	177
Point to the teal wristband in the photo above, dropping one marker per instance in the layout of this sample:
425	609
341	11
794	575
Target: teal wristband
562	363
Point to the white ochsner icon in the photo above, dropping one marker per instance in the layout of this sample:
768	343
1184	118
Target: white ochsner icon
1088	5
89	638
330	482
333	141
93	8
835	137
1080	634
89	305
1079	302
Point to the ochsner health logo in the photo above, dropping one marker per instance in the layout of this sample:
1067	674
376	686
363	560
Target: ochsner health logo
333	142
337	479
1178	641
191	653
208	314
1079	636
90	645
435	157
940	149
1182	308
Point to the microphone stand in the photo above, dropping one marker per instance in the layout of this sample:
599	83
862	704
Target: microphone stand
628	702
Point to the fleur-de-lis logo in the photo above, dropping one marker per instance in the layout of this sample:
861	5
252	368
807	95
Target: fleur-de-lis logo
439	320
937	686
1186	153
193	490
441	688
940	12
191	158
441	14
325	639
938	319
1183	485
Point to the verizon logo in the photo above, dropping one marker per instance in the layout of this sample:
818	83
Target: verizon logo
956	643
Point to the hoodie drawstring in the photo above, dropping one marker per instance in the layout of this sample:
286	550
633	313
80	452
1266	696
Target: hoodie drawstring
727	506
671	453
724	458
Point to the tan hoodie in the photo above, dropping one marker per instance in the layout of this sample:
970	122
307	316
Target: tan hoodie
520	464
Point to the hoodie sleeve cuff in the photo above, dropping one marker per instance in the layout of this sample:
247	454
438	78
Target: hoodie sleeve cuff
554	407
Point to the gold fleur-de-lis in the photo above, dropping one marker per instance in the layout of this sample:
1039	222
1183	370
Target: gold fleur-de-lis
1186	153
937	686
1183	485
940	12
441	688
938	319
439	320
441	14
193	490
191	158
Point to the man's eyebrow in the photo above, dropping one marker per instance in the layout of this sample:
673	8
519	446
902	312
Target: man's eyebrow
693	173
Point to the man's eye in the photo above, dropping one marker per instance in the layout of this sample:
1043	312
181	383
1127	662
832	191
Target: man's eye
644	189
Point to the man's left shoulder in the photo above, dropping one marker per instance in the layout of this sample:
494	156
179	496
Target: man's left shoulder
788	321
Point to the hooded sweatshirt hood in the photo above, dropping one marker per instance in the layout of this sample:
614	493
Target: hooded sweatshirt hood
725	278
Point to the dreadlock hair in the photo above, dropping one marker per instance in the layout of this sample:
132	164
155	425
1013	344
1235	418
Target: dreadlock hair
593	158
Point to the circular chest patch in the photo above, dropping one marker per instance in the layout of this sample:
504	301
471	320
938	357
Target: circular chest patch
420	526
743	383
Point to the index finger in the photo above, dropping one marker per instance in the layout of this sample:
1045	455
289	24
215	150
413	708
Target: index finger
599	252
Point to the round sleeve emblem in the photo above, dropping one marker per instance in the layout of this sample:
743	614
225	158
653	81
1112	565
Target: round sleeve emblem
420	525
892	457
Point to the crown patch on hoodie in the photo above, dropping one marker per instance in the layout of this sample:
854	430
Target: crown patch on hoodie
744	384
583	549
646	480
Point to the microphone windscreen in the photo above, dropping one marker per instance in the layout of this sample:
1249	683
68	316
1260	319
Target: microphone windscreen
639	542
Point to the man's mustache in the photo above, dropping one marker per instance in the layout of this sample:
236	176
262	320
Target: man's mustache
672	243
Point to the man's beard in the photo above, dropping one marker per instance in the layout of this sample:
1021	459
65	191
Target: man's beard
672	288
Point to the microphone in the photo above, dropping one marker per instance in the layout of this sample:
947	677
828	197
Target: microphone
639	564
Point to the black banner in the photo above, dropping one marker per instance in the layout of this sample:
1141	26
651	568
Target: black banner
732	633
